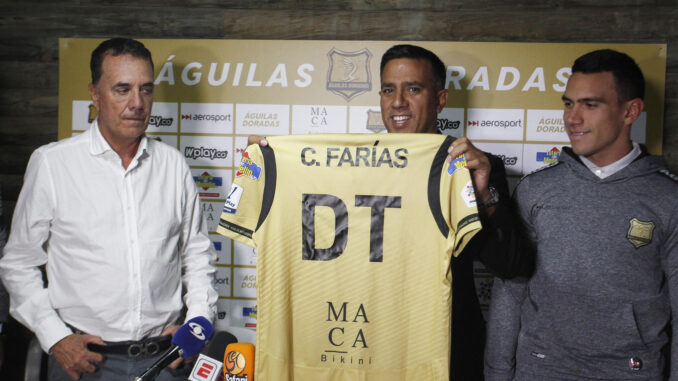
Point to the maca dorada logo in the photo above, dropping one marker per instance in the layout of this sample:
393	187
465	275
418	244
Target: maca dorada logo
349	73
202	152
550	157
374	121
459	162
207	182
248	168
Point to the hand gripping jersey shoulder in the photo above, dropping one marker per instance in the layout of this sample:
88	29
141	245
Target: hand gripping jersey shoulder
354	235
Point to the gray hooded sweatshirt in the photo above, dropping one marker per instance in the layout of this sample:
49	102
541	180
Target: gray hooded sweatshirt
599	304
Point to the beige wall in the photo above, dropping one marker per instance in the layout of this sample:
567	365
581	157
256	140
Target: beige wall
29	32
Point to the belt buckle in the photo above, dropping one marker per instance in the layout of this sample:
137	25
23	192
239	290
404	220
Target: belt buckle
135	350
152	347
144	348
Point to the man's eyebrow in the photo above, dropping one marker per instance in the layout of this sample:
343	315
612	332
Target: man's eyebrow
125	84
586	99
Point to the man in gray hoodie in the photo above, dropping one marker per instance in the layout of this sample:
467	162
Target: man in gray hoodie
604	222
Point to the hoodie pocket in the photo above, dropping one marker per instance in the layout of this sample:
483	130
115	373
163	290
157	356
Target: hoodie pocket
594	326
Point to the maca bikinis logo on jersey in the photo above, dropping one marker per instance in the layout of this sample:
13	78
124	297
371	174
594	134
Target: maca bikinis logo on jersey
206	182
549	157
458	163
248	168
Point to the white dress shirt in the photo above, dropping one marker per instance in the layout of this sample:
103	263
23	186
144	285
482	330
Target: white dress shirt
116	242
611	169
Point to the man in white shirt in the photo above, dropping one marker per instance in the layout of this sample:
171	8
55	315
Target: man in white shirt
116	219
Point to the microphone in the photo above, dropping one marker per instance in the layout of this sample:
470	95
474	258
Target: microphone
208	365
239	362
186	342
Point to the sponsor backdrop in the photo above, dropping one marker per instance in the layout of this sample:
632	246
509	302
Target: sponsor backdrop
211	94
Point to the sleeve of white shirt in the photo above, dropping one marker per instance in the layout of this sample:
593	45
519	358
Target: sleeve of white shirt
197	254
25	252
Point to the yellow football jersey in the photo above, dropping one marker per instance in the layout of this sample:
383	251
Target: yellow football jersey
354	235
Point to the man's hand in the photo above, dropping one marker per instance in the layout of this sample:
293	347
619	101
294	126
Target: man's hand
170	331
257	139
72	354
477	162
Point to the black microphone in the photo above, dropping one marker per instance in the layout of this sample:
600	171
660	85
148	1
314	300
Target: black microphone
208	365
189	339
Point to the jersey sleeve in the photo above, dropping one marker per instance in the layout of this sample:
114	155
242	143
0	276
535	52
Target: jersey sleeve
243	207
457	189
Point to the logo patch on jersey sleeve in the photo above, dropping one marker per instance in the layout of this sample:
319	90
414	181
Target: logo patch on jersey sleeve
248	168
458	163
231	205
468	194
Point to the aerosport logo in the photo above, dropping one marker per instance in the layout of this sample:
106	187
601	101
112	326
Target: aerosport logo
215	118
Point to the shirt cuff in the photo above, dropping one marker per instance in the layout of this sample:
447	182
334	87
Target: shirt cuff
50	332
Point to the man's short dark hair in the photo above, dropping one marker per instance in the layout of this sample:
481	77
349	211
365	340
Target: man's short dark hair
627	75
115	47
417	52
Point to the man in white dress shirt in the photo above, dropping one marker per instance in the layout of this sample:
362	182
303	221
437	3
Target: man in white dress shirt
116	219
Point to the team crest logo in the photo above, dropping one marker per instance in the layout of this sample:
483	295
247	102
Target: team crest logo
248	168
640	232
459	162
374	121
349	73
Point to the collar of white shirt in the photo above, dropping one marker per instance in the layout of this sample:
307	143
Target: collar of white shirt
611	169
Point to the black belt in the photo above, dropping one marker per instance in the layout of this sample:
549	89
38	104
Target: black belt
144	347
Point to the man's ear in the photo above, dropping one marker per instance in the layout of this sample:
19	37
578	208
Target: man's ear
94	93
442	100
632	110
